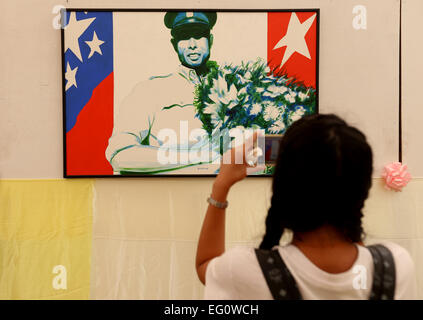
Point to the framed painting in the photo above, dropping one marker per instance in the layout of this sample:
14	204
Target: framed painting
166	92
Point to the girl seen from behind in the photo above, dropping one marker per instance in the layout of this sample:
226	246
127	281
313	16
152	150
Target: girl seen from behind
321	181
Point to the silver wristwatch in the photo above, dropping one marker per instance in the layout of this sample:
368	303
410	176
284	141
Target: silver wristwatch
217	204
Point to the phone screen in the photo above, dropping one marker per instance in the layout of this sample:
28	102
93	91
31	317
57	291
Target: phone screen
271	147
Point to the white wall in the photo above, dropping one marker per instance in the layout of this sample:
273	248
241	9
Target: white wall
358	76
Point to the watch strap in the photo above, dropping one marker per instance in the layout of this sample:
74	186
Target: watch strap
217	204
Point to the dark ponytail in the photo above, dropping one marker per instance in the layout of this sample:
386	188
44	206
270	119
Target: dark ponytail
274	227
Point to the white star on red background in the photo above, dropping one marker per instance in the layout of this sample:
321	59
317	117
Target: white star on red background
294	39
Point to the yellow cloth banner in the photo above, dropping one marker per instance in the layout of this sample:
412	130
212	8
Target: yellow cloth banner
45	239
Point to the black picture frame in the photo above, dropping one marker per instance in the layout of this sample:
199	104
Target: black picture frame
63	69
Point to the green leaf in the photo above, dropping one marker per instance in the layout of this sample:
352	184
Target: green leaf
177	105
146	140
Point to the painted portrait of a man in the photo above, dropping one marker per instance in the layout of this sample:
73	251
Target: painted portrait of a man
183	81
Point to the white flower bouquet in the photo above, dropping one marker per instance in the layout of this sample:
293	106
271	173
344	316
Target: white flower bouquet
251	96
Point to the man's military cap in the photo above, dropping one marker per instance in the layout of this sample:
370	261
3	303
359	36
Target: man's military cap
175	20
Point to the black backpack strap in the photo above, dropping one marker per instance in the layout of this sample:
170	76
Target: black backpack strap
383	287
279	279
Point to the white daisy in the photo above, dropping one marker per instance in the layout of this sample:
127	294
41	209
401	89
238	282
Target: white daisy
277	127
295	116
298	114
270	94
290	98
271	113
256	109
221	95
274	91
292	93
302	96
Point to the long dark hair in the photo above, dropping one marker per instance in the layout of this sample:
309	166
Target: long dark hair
322	177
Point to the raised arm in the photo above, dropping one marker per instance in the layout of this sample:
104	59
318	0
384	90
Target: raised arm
211	242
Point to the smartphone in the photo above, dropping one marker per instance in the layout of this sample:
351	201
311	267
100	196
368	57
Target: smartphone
271	148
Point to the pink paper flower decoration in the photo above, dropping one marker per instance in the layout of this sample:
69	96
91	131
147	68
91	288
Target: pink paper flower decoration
396	176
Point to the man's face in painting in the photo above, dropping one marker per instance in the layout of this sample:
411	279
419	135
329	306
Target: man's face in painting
193	46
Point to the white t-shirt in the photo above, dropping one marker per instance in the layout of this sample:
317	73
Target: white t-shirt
236	275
